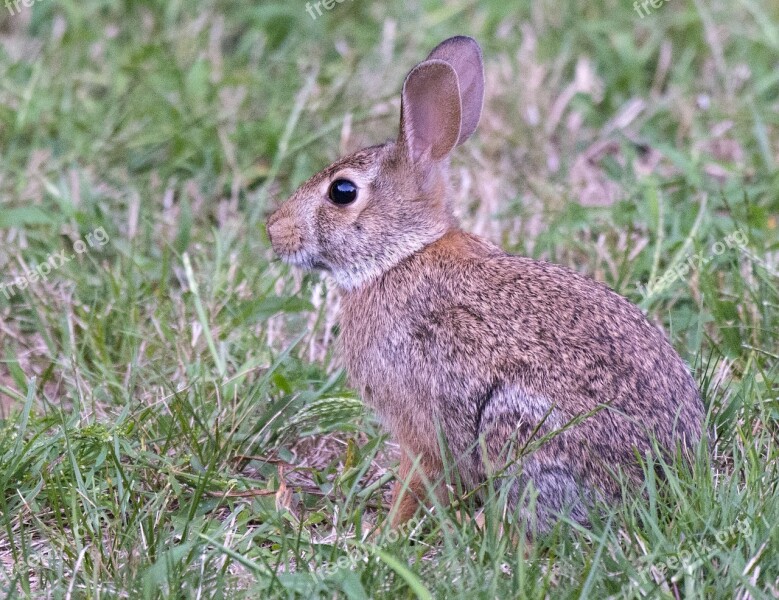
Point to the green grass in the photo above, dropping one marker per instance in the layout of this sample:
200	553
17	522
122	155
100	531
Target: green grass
173	420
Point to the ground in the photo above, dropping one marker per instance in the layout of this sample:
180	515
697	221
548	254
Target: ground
173	419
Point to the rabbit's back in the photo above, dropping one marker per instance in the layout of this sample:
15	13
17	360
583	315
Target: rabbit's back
465	336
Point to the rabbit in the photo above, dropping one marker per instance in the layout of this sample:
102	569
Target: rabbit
446	336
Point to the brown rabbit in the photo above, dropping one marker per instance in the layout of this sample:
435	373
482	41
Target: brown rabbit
442	331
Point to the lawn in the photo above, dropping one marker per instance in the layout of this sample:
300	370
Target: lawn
174	420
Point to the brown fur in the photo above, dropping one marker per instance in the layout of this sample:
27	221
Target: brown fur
443	331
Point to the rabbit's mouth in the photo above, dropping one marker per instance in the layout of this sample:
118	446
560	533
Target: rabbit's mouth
302	260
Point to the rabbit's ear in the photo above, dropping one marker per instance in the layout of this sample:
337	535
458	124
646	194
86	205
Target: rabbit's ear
464	54
430	112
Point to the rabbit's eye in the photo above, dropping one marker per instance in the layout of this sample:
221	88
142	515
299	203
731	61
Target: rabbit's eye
342	191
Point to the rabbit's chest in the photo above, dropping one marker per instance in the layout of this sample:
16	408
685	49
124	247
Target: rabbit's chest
378	353
375	354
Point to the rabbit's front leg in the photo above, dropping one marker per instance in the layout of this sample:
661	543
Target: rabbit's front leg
415	478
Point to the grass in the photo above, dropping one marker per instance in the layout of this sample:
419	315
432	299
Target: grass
174	421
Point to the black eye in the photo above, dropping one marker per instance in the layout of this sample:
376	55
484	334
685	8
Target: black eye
343	191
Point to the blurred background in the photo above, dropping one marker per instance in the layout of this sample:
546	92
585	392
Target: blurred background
172	414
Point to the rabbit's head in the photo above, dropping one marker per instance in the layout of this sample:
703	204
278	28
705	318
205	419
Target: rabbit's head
367	212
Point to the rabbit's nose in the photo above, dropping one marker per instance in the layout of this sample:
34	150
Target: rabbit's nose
274	227
273	218
277	223
284	235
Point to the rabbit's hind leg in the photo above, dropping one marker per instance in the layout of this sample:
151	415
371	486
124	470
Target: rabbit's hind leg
543	480
544	491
